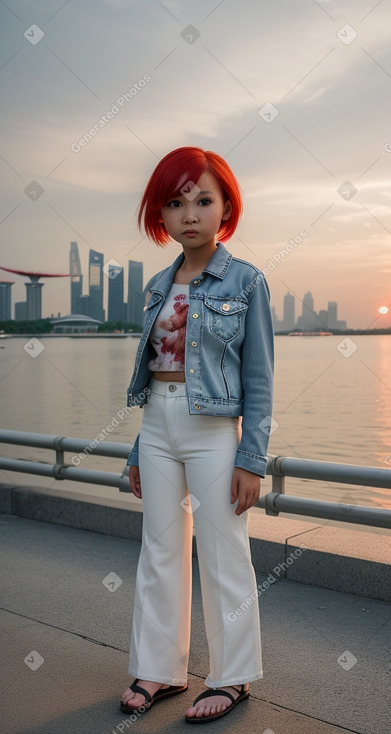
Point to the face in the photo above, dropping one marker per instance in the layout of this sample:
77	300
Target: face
201	210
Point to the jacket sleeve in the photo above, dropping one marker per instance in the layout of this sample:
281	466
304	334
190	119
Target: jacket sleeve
257	370
133	456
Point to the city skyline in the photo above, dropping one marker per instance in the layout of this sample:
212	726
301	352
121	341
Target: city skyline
309	319
294	96
131	310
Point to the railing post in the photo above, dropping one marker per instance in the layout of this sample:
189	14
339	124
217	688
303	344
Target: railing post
278	477
124	485
59	465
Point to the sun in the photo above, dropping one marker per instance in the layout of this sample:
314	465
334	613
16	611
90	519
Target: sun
383	309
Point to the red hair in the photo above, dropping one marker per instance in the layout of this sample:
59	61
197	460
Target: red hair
174	170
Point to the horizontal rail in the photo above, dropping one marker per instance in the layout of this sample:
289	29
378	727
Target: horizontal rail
57	471
329	471
274	503
46	441
278	467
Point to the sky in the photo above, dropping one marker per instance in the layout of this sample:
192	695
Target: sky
294	95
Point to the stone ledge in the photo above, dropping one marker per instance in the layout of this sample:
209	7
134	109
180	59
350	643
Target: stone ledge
346	560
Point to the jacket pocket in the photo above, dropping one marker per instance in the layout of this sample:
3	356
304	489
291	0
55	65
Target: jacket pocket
224	317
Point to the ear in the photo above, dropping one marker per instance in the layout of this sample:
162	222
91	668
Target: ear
227	211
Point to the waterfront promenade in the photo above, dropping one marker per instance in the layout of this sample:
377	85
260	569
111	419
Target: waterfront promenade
67	599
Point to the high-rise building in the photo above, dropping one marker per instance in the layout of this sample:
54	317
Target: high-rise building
116	293
5	299
308	319
332	315
323	319
134	312
76	278
289	312
95	281
21	311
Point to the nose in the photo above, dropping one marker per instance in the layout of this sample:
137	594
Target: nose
189	214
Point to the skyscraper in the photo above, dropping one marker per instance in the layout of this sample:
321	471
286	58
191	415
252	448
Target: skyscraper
116	293
76	278
5	299
289	312
95	280
332	321
134	312
308	319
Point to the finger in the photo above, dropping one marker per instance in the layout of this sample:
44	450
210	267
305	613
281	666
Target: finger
234	490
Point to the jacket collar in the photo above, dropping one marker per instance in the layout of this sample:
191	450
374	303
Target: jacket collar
217	266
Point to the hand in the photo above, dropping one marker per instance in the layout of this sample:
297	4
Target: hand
246	487
134	481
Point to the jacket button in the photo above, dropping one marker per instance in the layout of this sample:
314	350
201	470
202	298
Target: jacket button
195	315
196	282
191	370
194	344
226	307
197	407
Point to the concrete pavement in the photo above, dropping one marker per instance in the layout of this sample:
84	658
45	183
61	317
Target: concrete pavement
65	640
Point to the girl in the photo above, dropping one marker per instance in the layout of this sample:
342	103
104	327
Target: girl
204	374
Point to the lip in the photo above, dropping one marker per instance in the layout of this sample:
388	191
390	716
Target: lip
190	231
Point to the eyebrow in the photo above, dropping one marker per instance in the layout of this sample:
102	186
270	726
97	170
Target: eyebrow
200	193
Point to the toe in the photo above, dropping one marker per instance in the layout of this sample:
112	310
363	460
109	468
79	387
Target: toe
191	711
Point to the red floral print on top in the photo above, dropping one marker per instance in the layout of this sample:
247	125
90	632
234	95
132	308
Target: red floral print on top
168	334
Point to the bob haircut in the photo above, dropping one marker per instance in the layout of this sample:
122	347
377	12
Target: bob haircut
177	168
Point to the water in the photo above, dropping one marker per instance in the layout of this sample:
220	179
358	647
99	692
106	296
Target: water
329	406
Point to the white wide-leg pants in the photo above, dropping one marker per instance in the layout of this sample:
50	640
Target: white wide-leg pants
186	464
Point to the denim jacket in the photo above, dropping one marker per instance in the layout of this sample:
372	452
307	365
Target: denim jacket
229	350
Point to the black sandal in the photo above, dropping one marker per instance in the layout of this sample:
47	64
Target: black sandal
243	694
149	700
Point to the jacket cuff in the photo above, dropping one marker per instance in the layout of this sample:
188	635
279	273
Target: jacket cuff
133	456
251	462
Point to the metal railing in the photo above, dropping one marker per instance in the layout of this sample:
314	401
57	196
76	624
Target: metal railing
278	467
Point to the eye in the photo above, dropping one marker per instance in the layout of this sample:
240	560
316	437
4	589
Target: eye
174	201
208	201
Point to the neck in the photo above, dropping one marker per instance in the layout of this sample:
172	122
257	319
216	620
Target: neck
197	260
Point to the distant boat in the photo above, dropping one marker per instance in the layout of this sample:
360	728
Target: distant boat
310	333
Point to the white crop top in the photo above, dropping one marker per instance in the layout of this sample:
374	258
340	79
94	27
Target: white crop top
168	333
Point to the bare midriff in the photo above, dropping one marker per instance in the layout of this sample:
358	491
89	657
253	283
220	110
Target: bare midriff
169	376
